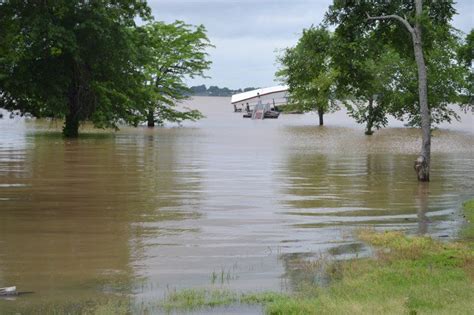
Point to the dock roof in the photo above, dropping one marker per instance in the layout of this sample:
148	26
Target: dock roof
254	93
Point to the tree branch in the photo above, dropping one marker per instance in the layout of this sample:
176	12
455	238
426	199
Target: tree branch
393	17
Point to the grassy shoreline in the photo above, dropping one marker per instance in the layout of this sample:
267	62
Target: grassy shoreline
408	275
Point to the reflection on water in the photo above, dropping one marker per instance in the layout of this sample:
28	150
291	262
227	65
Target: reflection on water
144	211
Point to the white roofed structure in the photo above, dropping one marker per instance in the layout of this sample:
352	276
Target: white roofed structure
276	95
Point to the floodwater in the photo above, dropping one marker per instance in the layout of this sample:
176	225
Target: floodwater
224	202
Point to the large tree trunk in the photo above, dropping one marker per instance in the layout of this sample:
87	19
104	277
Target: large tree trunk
422	164
73	116
370	117
71	125
321	116
151	118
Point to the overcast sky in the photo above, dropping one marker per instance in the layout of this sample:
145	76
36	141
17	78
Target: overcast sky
248	33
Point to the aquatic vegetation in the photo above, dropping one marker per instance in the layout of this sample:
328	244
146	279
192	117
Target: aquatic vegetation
225	275
189	299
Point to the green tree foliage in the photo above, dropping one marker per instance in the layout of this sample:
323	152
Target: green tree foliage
466	58
447	81
70	59
417	30
364	44
350	18
362	81
172	52
368	103
89	61
307	70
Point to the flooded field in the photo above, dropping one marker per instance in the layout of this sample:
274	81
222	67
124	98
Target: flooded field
223	202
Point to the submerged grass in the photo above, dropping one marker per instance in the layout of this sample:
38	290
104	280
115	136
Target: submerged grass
189	299
407	275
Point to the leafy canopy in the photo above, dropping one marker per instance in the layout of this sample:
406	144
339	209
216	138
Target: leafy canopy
89	61
172	53
66	57
307	70
362	42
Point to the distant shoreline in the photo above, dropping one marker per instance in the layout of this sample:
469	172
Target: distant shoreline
215	91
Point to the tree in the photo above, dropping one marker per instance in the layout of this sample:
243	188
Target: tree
71	59
366	70
369	109
422	164
392	80
447	82
466	59
306	68
415	18
172	53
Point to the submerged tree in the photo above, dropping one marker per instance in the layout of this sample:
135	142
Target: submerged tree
171	52
385	83
416	20
307	70
89	61
366	70
71	59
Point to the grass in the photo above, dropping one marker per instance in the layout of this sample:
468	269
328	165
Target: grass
468	231
222	276
189	299
407	275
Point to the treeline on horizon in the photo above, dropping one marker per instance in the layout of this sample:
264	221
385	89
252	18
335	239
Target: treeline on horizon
202	90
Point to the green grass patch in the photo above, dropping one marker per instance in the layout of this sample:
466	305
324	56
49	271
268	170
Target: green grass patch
195	298
468	231
189	299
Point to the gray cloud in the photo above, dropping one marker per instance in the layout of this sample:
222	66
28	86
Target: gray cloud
262	19
247	33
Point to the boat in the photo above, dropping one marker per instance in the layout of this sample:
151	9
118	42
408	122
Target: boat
271	114
261	103
8	291
261	111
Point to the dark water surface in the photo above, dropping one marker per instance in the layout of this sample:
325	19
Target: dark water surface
224	202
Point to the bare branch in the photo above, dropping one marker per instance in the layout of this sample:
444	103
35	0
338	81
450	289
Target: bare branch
393	17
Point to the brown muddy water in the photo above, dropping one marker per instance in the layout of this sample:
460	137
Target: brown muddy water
224	202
